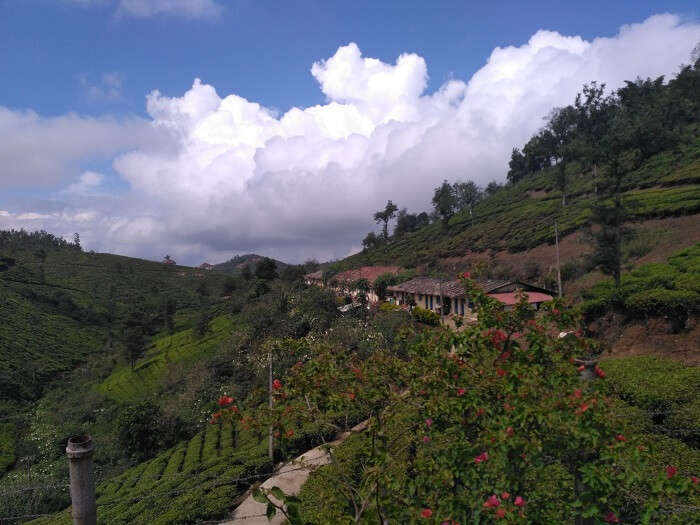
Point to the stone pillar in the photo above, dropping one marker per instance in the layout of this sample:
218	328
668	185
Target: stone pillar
80	450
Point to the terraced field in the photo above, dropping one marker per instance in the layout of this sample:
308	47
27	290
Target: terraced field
195	480
179	349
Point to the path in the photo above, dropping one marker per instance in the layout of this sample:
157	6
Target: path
290	477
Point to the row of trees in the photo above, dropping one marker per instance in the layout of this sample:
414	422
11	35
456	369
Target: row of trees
448	199
644	117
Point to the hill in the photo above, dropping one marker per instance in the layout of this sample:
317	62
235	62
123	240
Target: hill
236	264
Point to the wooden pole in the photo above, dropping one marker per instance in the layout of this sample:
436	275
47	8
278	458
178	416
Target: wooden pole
80	450
556	240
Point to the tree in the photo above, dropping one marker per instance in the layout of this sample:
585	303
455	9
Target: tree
246	273
444	201
562	126
593	110
382	282
139	429
384	216
517	166
492	187
266	269
169	309
134	332
76	240
468	194
370	241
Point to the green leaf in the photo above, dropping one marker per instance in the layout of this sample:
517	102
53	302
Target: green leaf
277	492
271	511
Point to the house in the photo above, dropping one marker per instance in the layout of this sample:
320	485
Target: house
168	260
206	266
427	292
345	282
315	278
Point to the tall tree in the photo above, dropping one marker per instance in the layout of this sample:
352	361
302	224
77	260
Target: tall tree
468	194
562	126
444	202
134	335
266	269
384	216
370	241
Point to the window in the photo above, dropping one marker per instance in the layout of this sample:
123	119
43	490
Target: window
426	301
462	301
431	302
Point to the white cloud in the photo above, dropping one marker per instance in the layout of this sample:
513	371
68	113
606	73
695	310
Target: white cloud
87	184
234	176
109	87
40	151
185	8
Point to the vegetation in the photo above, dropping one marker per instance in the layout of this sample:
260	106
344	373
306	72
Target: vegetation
652	290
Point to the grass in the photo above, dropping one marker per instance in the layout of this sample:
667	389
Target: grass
179	349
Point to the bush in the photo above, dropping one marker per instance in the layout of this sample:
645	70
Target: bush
426	316
7	446
139	428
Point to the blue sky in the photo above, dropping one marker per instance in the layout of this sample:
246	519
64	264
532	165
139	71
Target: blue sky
204	176
263	50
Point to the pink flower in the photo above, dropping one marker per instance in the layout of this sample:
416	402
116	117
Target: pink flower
621	438
500	372
671	471
519	501
505	495
426	513
509	431
225	400
429	421
426	439
694	479
460	392
466	275
492	501
611	518
481	458
500	513
577	393
581	368
276	384
600	372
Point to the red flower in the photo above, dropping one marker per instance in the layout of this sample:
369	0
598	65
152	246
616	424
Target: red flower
492	501
426	439
581	368
505	495
426	513
466	275
621	438
694	479
289	433
481	458
555	311
500	513
215	417
460	392
351	395
611	518
510	432
671	471
582	408
600	372
501	372
508	407
429	421
480	412
577	393
225	400
504	356
276	384
519	501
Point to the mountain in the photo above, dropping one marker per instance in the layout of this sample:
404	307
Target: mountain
237	263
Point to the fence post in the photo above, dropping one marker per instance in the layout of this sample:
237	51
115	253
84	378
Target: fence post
82	479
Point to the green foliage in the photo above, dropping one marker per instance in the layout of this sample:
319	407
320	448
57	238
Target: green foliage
653	290
140	428
7	446
425	316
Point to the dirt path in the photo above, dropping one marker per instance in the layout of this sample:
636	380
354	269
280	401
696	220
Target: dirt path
289	477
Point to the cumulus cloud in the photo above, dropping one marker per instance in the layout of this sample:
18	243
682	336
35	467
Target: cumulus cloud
234	176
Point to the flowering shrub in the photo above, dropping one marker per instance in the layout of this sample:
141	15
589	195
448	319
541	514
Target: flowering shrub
492	423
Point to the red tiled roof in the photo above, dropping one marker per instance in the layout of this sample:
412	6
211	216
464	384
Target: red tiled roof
317	275
430	286
511	298
366	272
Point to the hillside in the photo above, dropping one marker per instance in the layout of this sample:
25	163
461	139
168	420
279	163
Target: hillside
521	216
59	304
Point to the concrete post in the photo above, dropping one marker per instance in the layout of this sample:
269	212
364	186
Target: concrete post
588	372
80	450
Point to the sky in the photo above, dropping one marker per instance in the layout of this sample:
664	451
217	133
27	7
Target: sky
203	129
